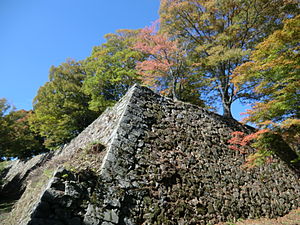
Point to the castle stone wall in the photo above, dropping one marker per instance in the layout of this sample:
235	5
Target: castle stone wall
169	163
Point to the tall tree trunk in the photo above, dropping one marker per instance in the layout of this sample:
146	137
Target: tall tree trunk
174	83
226	90
226	103
227	111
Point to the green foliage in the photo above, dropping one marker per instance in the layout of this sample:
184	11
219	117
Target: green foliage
198	47
16	139
274	74
111	69
78	92
85	159
60	107
219	35
4	107
190	92
3	165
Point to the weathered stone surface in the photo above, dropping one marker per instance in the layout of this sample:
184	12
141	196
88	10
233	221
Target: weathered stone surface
111	216
166	163
15	178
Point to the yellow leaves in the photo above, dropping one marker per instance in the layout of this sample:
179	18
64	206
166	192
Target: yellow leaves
202	48
254	160
204	16
241	74
224	38
277	42
218	54
235	53
274	70
209	5
288	123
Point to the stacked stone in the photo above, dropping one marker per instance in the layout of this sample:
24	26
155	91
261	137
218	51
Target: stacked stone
16	174
66	198
169	163
194	178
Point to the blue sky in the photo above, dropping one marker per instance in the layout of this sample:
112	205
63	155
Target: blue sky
35	34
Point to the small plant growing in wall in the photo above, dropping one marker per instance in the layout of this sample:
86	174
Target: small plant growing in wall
244	143
95	147
65	176
89	158
267	144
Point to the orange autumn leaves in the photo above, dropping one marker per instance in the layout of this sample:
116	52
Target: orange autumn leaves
163	68
160	49
274	74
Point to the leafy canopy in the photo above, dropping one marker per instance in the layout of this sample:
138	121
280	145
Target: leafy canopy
16	139
274	74
111	69
61	107
219	36
163	67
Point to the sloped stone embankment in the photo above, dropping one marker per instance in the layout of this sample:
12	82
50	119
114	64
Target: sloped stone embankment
165	162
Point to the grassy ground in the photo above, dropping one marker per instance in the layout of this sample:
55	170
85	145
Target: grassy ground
3	165
5	208
293	218
89	158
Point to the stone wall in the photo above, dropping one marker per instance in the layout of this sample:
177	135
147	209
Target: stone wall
65	199
193	178
15	176
103	129
172	164
166	163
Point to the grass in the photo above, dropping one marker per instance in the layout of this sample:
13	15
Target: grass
3	165
293	218
5	209
37	181
89	158
35	186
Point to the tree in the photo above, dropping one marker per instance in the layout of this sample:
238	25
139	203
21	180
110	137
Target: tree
163	67
111	69
166	67
16	139
220	34
274	74
78	92
61	109
4	107
20	141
